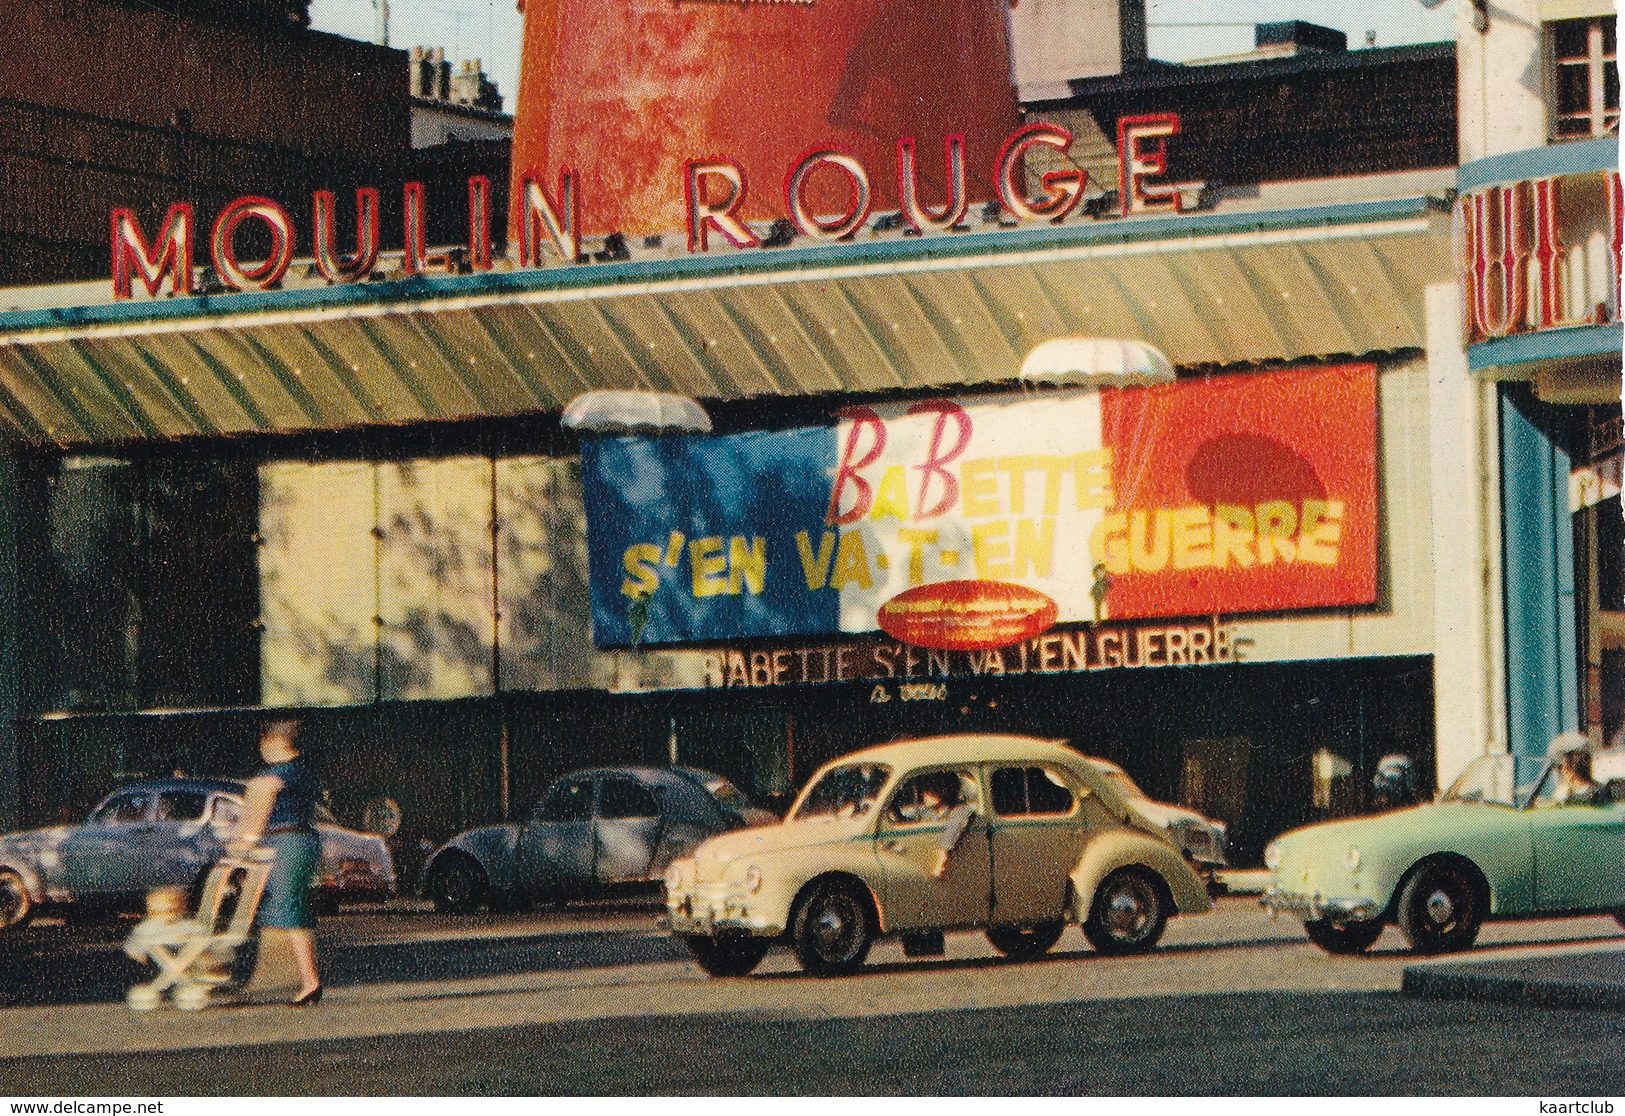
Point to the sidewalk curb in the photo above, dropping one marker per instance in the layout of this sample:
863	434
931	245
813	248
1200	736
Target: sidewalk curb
1439	984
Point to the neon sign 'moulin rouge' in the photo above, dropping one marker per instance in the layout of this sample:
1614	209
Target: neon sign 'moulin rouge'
714	193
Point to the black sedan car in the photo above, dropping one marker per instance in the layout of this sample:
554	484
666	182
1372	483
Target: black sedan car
592	832
164	833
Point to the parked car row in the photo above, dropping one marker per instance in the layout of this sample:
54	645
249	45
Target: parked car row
163	833
1011	835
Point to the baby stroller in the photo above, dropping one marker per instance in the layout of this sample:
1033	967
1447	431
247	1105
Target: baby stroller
194	954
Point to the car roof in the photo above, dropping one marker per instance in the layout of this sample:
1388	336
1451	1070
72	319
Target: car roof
964	748
645	774
187	783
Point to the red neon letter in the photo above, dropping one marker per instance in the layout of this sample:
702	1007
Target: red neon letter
130	250
935	459
1498	242
366	236
265	274
702	213
414	254
908	187
858	201
1136	163
1064	187
1550	253
859	417
537	214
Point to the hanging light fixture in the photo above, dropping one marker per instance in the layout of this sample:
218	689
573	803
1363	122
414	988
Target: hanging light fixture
1096	362
633	412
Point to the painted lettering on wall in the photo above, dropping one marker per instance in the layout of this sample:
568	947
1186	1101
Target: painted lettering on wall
1114	647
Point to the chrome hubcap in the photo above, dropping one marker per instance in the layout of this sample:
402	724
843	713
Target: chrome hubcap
833	929
1127	911
1440	908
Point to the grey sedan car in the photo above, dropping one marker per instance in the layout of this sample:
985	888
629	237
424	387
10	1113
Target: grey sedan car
164	833
591	832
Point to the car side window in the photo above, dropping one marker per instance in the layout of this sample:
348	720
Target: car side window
931	795
123	809
181	806
1029	792
226	812
622	798
567	802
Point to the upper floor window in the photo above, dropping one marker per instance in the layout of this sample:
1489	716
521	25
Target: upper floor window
1585	78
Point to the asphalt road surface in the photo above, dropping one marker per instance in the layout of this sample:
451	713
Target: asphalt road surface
597	1002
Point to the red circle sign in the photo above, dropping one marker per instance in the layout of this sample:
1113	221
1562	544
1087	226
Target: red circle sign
967	615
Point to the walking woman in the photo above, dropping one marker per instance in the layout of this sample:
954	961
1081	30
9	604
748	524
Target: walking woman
280	814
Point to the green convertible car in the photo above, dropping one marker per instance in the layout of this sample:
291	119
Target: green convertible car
1486	848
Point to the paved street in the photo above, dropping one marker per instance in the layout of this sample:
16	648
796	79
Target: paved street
598	1001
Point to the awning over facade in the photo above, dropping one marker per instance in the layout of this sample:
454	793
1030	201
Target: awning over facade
1206	288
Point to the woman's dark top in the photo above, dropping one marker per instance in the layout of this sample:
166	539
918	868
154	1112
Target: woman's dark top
295	805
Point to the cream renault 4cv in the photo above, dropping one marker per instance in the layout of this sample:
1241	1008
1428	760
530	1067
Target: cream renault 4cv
1010	834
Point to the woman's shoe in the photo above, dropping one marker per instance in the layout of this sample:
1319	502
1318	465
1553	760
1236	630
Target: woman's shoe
309	999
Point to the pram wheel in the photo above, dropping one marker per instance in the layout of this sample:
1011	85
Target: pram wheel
191	997
142	997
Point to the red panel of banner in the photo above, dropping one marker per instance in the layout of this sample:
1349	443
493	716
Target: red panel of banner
1248	493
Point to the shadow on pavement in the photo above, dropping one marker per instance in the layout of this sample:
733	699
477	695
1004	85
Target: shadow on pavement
72	965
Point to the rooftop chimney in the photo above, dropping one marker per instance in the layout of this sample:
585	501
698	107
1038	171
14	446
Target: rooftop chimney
1299	37
1053	42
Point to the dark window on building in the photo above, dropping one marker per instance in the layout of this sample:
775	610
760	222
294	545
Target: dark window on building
1585	78
200	594
622	798
144	577
1610	556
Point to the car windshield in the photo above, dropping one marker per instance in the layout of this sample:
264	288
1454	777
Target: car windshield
719	788
845	791
1487	779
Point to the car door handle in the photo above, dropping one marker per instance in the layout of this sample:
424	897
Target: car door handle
894	847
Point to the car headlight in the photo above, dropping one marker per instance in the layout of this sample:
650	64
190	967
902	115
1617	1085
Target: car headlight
1351	859
1272	856
753	879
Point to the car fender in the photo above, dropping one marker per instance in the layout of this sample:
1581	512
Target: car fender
783	883
32	883
492	847
1121	848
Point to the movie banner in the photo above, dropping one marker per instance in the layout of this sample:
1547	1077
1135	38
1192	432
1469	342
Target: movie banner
980	521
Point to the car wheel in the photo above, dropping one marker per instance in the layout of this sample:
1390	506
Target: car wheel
832	930
1439	909
457	885
1128	914
16	908
732	955
1344	937
1019	943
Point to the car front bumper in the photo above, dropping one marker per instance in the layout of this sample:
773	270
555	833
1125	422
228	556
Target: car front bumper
1314	907
692	914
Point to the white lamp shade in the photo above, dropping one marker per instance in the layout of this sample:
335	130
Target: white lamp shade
1096	362
626	412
